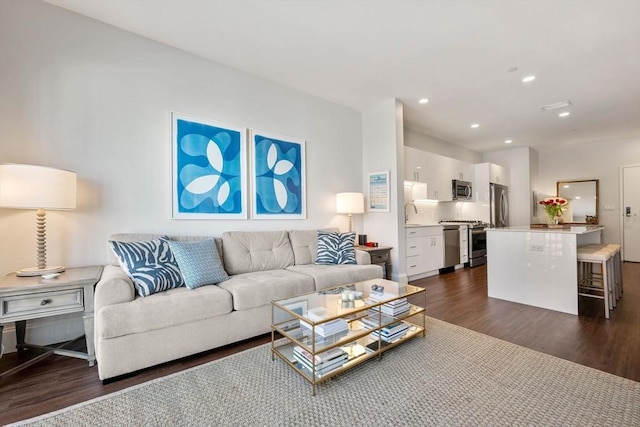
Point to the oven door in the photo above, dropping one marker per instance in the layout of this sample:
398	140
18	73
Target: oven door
477	246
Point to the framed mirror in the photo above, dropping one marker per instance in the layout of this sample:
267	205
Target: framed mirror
583	200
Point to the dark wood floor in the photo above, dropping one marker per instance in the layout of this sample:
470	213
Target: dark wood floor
459	297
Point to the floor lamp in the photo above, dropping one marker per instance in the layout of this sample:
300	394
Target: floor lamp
37	187
350	203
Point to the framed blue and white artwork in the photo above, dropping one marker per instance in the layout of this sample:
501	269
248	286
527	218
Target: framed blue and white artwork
378	191
209	174
278	176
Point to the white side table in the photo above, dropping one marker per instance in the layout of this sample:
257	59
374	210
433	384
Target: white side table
25	298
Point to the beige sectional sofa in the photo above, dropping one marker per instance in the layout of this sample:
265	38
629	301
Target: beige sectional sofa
132	332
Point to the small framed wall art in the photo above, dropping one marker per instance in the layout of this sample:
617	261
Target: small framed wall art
378	194
209	164
277	176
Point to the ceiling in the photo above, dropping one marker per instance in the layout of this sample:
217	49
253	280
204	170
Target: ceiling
461	55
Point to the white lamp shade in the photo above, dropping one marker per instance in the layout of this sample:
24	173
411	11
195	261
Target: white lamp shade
350	203
36	187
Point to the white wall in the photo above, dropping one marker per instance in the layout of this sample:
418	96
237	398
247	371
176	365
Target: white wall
421	141
598	160
382	134
80	95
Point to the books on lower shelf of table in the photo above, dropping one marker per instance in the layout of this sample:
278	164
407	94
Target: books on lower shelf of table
392	332
324	362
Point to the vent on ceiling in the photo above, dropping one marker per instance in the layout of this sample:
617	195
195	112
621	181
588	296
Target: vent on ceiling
556	105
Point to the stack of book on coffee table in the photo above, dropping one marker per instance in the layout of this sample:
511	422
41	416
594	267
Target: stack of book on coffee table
392	308
326	329
389	332
392	332
324	362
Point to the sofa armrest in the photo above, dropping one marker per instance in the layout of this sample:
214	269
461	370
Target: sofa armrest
363	257
114	287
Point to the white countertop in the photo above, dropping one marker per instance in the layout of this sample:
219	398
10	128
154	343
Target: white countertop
421	225
575	229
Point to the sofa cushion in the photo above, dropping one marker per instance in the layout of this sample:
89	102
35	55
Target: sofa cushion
259	288
326	276
336	248
251	251
150	264
165	309
305	245
199	263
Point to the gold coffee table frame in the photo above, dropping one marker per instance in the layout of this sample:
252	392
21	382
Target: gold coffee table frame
358	341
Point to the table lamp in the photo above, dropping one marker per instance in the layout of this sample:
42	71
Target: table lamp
350	203
37	187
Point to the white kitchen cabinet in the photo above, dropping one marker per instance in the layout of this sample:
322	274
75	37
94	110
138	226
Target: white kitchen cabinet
439	173
436	171
468	172
424	250
434	251
487	173
415	162
464	244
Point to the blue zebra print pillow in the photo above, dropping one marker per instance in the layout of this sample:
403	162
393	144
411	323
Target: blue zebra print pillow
151	265
336	248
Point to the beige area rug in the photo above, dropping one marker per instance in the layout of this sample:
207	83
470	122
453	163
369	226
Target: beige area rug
453	377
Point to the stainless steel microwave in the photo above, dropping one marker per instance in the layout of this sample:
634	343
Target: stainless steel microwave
461	190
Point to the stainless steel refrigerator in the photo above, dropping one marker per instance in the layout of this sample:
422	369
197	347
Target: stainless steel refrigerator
499	206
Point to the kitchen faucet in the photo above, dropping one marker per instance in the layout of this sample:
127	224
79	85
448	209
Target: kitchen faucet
406	215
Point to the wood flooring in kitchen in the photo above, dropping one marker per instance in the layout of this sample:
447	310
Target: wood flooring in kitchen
458	297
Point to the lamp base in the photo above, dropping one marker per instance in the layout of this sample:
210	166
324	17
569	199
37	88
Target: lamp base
35	271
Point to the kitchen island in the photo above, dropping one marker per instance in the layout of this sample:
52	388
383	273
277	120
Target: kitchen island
537	266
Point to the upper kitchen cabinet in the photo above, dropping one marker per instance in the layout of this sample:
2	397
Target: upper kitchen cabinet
415	162
488	173
436	171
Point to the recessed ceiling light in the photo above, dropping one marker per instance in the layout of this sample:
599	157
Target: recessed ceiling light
423	101
566	186
508	141
564	114
475	125
528	79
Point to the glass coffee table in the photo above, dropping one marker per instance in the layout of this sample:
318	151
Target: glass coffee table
324	333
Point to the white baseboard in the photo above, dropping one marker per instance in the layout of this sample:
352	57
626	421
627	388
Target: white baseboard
45	331
423	275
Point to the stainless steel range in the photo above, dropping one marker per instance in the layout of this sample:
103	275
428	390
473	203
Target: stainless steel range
477	240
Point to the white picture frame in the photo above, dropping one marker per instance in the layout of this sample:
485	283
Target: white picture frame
209	169
378	191
278	183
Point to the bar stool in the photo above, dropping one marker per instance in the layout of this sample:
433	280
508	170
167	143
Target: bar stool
616	266
589	281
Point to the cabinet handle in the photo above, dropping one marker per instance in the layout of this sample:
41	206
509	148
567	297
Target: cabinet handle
412	247
413	266
45	302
